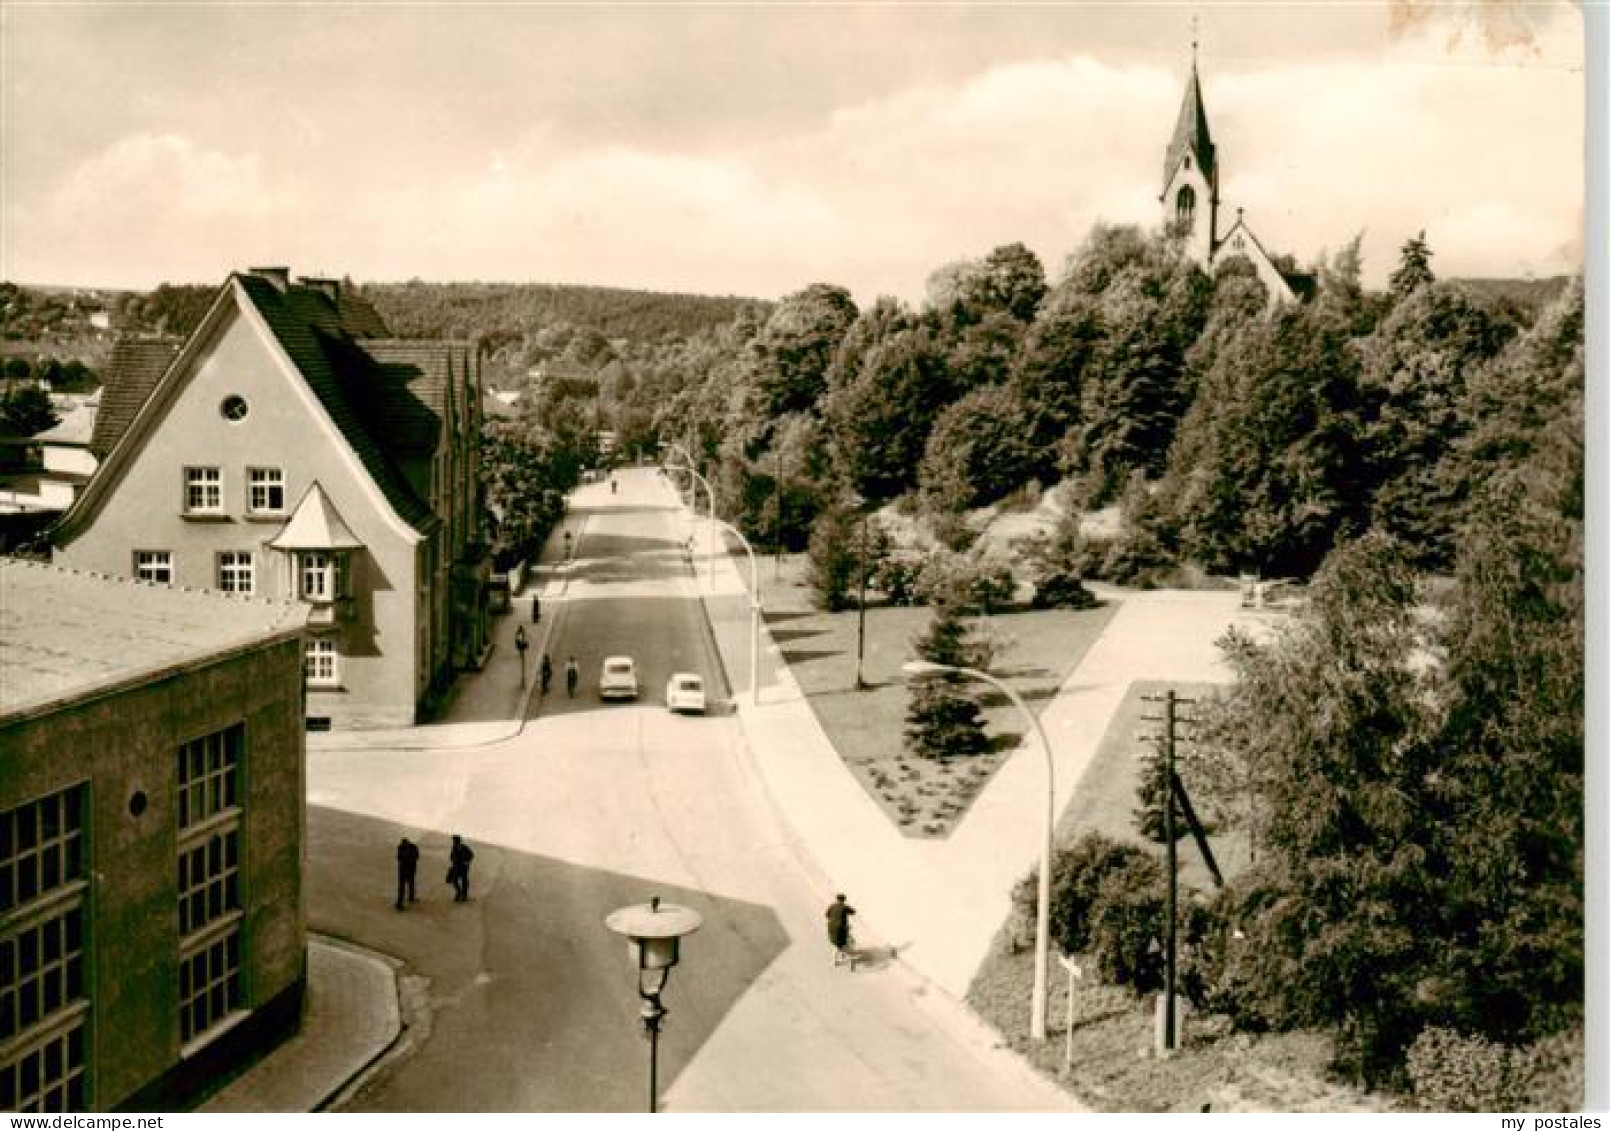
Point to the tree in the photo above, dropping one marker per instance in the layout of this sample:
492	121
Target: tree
1280	485
1506	795
1414	268
1010	280
834	560
793	349
880	421
978	451
1412	381
26	410
1049	372
942	720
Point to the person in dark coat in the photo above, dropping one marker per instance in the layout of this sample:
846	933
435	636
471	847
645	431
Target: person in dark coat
572	677
458	870
536	608
838	923
547	672
407	865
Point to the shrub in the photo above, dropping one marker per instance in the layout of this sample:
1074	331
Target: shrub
898	577
1078	873
1126	925
1062	590
976	582
1450	1071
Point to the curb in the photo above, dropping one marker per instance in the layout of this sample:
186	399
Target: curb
356	1080
413	743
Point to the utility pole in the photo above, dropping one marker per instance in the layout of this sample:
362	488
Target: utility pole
1174	793
1170	953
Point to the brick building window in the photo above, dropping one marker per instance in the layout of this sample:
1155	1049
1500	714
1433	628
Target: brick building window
209	881
235	572
41	971
208	775
265	492
42	1003
203	490
46	1074
209	985
155	566
41	847
209	788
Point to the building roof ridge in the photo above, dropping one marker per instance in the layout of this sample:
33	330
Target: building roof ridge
278	603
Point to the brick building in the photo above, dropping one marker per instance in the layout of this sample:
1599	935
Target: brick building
152	786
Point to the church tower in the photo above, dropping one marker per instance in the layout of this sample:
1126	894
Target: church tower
1190	198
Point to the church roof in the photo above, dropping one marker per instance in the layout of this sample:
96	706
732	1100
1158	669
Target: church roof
1191	136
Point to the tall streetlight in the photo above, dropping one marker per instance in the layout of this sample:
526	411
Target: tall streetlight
710	513
754	611
654	932
1042	919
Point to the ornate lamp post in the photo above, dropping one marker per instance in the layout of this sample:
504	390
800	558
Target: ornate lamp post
1042	919
653	932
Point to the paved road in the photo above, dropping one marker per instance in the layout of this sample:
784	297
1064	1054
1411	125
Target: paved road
524	1001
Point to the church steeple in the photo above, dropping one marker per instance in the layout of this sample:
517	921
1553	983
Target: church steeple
1190	196
1191	135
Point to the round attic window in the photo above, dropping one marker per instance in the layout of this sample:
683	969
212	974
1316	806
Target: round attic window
234	408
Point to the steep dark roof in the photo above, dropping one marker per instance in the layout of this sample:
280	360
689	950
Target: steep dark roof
135	367
1191	136
405	401
310	328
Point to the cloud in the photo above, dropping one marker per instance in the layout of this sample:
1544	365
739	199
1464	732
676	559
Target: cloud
1475	139
157	174
150	206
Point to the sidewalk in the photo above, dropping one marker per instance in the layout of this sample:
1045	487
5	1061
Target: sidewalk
940	902
491	705
349	1021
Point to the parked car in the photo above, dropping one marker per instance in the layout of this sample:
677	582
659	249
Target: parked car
685	692
618	680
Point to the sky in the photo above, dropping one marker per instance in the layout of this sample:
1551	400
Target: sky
756	149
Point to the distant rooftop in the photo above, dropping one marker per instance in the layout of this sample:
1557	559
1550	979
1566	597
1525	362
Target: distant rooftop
66	633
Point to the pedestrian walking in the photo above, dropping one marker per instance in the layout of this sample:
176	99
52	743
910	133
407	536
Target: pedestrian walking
838	931
458	868
536	608
520	645
572	677
407	865
547	672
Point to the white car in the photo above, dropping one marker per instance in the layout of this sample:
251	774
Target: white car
685	692
618	680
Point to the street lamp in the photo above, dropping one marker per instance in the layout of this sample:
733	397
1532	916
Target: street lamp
1042	919
653	932
858	504
710	514
754	612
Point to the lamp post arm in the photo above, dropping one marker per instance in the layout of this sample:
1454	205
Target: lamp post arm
1042	918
